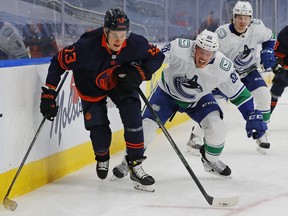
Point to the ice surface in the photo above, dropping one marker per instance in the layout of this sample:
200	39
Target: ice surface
259	180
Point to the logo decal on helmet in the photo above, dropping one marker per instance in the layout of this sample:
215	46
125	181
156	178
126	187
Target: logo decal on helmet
207	40
243	8
116	20
121	20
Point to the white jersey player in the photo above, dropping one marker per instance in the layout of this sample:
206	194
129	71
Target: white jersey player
238	41
194	69
11	43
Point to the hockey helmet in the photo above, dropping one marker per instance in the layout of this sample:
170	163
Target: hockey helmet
207	40
243	8
116	20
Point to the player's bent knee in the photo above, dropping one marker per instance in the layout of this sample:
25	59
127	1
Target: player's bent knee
214	129
262	98
150	131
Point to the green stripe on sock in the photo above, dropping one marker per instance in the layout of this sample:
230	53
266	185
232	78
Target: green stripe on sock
242	97
213	150
266	116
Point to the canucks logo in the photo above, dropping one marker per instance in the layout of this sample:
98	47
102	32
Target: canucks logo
184	43
221	33
245	57
225	64
180	82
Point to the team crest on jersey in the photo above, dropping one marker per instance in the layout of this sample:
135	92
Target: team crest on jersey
221	33
225	64
256	21
245	57
184	43
180	82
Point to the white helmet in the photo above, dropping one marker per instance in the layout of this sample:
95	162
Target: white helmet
207	40
243	8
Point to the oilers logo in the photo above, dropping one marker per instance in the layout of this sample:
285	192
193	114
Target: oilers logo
244	58
181	83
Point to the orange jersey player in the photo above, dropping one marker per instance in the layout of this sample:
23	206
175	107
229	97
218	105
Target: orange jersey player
108	62
280	80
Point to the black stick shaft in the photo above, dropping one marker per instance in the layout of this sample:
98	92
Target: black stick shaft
208	198
33	141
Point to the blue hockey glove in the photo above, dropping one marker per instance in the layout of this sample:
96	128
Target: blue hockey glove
255	126
267	58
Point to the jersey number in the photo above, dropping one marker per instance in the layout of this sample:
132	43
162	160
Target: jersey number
166	48
234	77
70	55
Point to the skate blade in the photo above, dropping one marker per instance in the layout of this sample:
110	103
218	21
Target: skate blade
147	188
113	178
217	174
261	150
262	147
192	151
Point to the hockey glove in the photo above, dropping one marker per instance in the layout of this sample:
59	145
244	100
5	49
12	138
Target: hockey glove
131	76
277	68
267	58
255	126
48	105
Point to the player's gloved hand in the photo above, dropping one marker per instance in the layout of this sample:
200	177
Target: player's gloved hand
267	58
131	76
48	105
255	126
278	68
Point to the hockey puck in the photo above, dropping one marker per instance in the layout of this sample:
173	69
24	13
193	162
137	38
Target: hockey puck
1	115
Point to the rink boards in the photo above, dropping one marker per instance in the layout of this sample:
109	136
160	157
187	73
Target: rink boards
62	146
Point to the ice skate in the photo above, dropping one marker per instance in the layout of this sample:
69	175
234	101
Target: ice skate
194	143
218	168
121	170
102	169
141	180
262	144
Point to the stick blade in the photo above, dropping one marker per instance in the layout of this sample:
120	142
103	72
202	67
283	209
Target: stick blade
9	204
225	202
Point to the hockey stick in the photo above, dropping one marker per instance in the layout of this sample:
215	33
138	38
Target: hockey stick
216	202
10	204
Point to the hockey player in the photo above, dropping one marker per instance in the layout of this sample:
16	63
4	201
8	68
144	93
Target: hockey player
238	41
11	43
194	69
280	80
97	59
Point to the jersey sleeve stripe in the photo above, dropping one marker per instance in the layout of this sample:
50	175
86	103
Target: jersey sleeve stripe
60	57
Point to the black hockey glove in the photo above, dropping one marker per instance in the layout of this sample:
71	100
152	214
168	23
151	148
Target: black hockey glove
48	105
131	76
255	126
281	75
278	67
